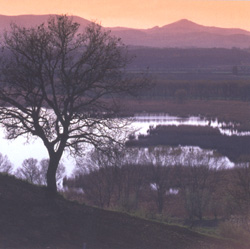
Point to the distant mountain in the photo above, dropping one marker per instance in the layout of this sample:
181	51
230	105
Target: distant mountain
185	34
181	34
31	20
185	26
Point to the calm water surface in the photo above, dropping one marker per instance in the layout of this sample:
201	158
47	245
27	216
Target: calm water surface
19	149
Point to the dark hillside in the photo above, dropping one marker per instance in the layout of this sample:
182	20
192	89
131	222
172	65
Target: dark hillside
29	220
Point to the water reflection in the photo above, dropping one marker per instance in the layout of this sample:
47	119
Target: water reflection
141	123
18	149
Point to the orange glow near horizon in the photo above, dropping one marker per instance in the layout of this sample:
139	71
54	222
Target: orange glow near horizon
139	13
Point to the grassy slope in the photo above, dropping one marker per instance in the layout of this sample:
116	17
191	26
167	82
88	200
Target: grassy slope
29	220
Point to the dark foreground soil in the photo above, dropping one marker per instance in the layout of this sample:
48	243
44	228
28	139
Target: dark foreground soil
28	219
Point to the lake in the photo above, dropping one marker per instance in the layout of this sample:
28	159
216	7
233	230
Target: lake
19	149
142	121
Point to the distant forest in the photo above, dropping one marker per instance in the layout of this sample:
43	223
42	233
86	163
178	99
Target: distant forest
182	90
194	73
168	59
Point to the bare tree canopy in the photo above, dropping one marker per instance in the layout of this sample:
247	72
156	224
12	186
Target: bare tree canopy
35	172
60	84
5	165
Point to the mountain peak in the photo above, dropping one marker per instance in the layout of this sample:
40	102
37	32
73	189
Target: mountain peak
184	22
183	25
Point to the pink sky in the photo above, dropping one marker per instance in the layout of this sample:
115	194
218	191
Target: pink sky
139	13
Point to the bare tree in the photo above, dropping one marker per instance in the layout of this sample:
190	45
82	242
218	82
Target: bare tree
96	176
29	171
60	85
43	168
5	164
199	181
35	172
113	178
240	189
160	161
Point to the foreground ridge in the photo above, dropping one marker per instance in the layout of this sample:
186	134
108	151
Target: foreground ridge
30	220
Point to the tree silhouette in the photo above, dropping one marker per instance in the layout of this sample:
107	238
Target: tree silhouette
5	164
61	85
35	172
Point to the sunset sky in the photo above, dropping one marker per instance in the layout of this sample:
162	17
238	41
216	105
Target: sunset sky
139	13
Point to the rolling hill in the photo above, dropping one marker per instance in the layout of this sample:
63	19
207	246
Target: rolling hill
31	20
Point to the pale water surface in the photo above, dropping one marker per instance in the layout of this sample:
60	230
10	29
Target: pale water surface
19	149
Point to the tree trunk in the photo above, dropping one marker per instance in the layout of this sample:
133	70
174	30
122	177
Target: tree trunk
160	200
51	174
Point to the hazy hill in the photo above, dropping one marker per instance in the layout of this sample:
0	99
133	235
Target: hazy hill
31	20
29	220
183	33
185	26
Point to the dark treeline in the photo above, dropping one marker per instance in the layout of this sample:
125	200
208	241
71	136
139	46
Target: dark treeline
181	90
197	187
194	73
236	148
157	59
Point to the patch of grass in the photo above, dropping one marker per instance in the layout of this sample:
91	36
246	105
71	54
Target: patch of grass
235	232
212	231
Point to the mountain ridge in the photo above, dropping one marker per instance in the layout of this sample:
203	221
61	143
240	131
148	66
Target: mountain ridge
185	34
182	33
186	25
